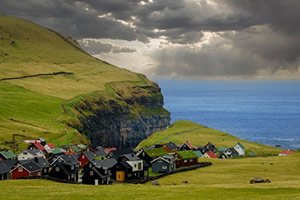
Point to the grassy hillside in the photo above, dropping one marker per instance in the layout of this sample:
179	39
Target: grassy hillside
225	179
40	106
198	135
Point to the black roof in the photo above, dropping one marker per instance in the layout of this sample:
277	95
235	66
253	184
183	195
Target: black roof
6	166
42	162
171	145
69	159
130	157
101	150
99	174
118	153
31	151
91	155
105	164
30	165
125	164
66	171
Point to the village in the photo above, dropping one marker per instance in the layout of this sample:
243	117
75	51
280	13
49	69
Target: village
80	164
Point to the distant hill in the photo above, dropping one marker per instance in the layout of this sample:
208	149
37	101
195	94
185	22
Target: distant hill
51	88
198	135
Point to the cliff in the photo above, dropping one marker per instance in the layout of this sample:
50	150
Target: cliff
124	119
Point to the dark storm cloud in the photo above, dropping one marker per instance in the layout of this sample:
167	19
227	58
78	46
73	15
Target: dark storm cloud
254	35
96	47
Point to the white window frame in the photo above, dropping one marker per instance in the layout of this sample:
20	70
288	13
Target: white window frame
20	169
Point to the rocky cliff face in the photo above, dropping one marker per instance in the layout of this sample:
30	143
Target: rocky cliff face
132	115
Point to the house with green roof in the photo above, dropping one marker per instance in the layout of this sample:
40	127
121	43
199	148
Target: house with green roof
198	153
186	158
222	149
6	155
150	154
82	147
56	151
240	149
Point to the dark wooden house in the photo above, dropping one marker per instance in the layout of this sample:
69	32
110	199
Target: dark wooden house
98	172
5	167
65	167
150	154
170	147
163	164
186	146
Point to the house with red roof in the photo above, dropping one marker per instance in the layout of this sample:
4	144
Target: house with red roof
209	154
284	153
186	146
37	145
108	150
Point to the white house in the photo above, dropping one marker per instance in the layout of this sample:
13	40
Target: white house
240	149
31	154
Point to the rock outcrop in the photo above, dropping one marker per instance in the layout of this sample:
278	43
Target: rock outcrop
132	115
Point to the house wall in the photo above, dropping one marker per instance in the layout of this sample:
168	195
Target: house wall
239	150
186	162
160	166
83	160
136	165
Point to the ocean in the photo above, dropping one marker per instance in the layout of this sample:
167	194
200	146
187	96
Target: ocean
260	111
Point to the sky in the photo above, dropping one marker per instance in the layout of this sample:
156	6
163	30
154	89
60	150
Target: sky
179	39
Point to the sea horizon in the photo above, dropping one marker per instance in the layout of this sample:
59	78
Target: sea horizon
263	111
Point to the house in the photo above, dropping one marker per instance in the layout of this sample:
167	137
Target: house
229	153
198	153
116	154
163	164
5	155
150	154
186	158
186	146
209	154
222	149
102	150
210	147
240	149
201	149
44	164
37	145
5	168
170	147
26	168
30	154
64	167
98	171
108	150
284	153
130	167
82	147
87	156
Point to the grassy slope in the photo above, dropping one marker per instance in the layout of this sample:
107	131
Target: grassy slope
35	104
225	179
182	131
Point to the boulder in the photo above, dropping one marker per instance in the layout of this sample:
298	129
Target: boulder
259	180
155	182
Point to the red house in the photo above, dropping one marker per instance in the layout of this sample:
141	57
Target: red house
87	156
186	158
210	154
25	169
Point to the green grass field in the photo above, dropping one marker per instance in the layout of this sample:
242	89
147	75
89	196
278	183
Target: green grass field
198	135
42	106
225	179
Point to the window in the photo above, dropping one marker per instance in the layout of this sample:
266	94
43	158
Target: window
185	161
105	171
83	156
164	167
134	165
72	167
91	173
45	170
191	160
20	169
90	165
57	169
139	165
39	174
72	175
